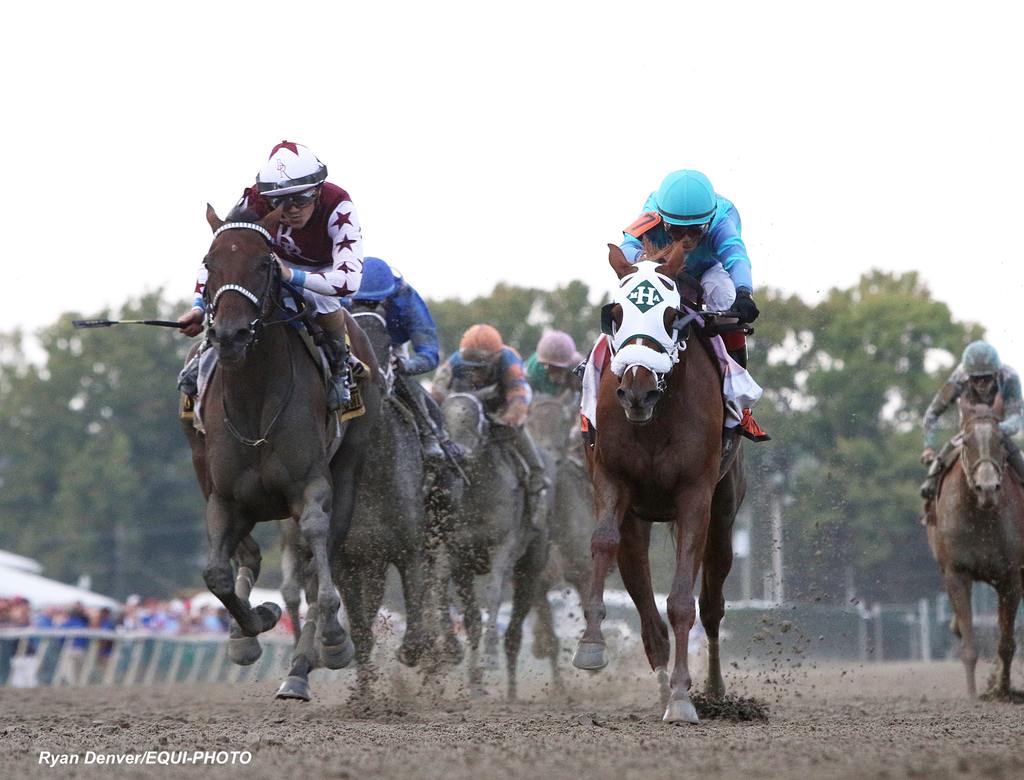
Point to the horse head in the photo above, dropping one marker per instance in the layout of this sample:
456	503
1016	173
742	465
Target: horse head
465	421
551	424
240	261
983	455
641	324
372	318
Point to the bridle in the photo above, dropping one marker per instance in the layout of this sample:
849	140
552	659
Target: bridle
270	263
262	303
970	469
387	370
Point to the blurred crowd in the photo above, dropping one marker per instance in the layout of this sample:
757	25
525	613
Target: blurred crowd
159	616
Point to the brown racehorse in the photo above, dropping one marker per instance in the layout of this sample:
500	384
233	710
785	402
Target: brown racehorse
662	472
977	535
266	453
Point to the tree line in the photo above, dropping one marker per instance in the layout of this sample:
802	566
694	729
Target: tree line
96	477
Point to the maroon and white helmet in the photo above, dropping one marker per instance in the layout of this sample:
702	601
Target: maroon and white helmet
556	348
290	168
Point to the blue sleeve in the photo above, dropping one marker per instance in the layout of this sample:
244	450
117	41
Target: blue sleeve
419	329
729	249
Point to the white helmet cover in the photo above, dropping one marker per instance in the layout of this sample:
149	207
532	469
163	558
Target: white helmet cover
645	295
290	168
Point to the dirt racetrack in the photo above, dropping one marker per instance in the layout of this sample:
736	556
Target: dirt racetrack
870	721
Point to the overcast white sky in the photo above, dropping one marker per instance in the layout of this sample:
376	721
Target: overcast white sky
484	142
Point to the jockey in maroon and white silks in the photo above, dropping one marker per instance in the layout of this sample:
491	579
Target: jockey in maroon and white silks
325	255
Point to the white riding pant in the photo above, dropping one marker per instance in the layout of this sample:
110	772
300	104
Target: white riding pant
719	289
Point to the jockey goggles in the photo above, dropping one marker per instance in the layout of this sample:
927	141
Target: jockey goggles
677	232
298	201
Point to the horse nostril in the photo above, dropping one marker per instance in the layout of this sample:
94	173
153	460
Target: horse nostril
652	397
620	393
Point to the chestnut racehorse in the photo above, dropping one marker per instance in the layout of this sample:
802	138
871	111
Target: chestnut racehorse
979	519
662	472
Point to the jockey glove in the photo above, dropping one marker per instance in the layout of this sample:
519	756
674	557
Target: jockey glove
744	306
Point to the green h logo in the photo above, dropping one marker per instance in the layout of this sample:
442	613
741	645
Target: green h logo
644	296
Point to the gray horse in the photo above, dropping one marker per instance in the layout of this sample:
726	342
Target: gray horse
554	426
490	533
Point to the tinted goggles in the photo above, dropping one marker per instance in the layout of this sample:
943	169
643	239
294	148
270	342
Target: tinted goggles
297	201
677	232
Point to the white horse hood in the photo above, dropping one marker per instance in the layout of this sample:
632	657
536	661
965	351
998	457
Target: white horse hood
645	296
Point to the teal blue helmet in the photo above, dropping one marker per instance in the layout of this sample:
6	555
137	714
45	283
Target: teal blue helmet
686	198
378	282
980	359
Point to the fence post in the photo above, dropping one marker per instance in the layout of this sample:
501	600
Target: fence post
876	613
154	662
172	674
924	619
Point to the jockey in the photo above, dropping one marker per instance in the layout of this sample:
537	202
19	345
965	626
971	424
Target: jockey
979	379
549	369
686	209
483	362
319	249
408	320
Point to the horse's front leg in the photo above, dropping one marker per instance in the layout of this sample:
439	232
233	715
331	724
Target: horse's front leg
501	572
610	503
245	650
693	514
225	529
958	586
336	648
1009	601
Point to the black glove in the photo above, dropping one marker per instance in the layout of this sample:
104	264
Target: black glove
745	307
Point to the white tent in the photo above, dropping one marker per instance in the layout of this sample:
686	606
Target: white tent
42	592
9	560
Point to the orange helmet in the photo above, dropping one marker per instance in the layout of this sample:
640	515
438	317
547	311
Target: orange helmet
480	343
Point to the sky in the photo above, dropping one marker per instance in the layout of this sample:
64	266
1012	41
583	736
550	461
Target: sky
486	142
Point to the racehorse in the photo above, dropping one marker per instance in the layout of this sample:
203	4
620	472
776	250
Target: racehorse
554	426
664	472
491	534
977	535
266	451
388	524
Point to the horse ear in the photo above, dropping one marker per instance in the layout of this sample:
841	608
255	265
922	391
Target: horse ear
212	218
618	261
674	260
272	220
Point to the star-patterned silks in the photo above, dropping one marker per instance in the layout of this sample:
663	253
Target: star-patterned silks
345	243
342	219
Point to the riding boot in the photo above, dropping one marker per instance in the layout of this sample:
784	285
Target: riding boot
339	393
537	481
1014	457
930	486
730	441
739	355
188	377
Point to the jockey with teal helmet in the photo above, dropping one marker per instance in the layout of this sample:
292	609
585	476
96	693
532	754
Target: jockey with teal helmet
979	379
686	209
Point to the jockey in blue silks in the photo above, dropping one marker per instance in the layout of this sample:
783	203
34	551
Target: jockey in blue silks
686	209
408	321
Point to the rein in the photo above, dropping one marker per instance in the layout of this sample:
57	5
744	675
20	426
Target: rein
256	324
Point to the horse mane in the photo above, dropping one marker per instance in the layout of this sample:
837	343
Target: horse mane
242	213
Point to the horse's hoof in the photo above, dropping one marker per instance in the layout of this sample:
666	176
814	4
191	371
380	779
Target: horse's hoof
407	657
590	656
680	711
269	614
244	650
338	656
294	687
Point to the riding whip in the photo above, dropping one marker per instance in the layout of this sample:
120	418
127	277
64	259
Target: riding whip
108	323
